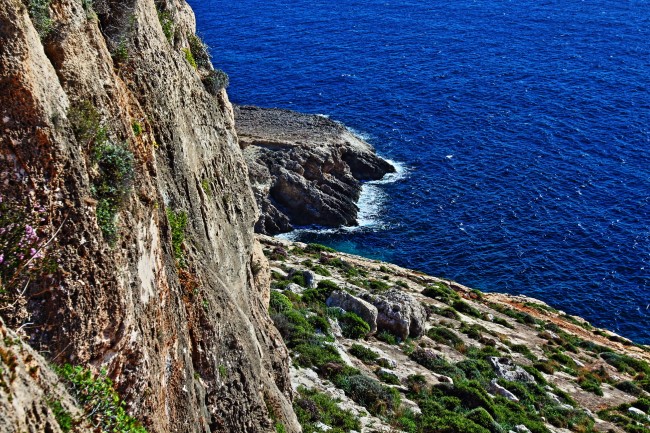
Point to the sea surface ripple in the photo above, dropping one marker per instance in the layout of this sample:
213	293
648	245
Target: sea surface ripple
522	129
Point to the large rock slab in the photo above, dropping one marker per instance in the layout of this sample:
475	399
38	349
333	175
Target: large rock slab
506	369
304	169
398	313
361	308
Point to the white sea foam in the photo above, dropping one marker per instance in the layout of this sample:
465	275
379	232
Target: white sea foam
371	206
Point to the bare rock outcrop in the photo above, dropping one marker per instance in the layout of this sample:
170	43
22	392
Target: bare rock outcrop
398	313
361	308
506	369
161	283
304	169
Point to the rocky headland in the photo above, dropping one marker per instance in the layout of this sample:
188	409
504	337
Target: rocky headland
304	169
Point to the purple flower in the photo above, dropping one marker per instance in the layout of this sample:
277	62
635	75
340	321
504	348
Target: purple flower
2	258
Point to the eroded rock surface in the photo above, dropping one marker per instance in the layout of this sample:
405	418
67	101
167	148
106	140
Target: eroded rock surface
183	329
348	302
398	313
304	169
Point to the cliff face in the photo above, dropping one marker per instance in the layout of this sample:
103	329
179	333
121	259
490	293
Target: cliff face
110	142
305	169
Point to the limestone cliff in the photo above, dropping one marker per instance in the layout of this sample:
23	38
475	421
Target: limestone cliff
119	157
305	169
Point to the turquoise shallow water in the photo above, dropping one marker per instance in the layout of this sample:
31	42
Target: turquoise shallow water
521	127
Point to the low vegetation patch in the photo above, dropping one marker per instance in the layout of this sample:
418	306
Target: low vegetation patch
313	407
102	405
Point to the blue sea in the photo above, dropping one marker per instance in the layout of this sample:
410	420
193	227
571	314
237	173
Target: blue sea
521	130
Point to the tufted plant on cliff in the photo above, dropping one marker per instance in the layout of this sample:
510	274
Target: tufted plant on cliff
199	51
215	81
112	185
167	24
101	403
113	165
24	254
39	12
178	223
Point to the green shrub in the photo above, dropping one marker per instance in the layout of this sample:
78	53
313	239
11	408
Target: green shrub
312	407
199	51
441	292
189	57
299	279
523	349
503	322
114	165
445	336
319	323
478	369
62	416
378	286
136	127
39	12
167	24
353	326
590	382
177	224
437	364
365	354
387	337
318	248
629	387
320	270
315	354
465	308
481	417
320	294
112	185
473	331
100	401
625	363
386	377
370	393
279	303
215	81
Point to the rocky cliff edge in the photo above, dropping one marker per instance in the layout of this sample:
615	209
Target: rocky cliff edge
127	216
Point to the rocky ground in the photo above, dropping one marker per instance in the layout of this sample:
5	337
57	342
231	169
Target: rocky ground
376	347
304	169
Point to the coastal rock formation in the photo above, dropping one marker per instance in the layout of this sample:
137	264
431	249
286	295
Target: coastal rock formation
361	308
398	313
304	169
121	166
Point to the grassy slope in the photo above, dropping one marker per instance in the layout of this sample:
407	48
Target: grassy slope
586	378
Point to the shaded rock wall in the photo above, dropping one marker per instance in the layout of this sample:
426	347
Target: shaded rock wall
190	349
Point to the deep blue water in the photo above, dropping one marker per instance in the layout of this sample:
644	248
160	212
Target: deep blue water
523	128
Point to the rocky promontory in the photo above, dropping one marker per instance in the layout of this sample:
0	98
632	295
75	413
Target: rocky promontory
304	169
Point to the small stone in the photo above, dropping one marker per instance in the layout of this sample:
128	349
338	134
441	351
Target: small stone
310	279
387	362
495	389
322	427
522	429
508	370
